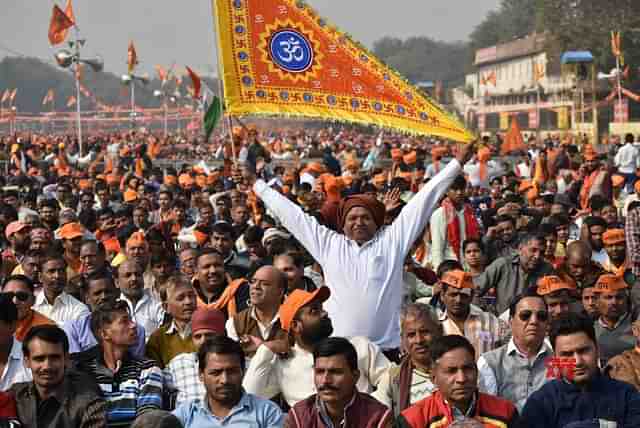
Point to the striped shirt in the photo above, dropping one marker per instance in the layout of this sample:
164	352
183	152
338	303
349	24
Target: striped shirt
135	387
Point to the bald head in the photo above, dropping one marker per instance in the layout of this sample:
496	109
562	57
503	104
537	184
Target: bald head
578	257
267	288
578	251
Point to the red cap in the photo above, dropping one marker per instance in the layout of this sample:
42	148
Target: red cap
208	319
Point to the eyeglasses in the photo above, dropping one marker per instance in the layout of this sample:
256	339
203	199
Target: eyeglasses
22	296
541	316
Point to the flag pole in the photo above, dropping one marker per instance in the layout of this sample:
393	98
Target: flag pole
220	86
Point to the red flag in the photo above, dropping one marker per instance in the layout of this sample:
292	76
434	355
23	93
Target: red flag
58	26
162	73
132	57
196	83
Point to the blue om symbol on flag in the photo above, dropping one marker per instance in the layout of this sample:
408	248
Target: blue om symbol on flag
291	51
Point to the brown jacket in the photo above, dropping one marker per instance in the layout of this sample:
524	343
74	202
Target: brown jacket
245	324
82	405
363	412
625	367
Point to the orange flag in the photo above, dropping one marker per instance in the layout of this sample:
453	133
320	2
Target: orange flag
71	101
58	26
132	57
162	73
5	96
616	46
279	57
196	83
513	141
13	95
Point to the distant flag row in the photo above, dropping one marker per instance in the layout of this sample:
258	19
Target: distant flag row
9	95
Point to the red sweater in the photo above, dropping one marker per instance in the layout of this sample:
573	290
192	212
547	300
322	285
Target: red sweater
433	412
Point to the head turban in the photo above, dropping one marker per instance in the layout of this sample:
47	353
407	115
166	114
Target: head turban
364	201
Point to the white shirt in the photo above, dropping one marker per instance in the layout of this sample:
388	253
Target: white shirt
627	159
265	330
364	279
64	308
14	371
268	374
148	312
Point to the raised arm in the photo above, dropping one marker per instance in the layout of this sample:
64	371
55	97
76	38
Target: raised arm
415	215
306	229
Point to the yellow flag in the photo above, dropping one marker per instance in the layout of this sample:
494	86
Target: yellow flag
504	121
280	58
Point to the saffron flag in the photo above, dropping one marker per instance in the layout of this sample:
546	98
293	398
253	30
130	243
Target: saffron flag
12	97
58	26
5	96
280	58
616	45
162	73
513	141
132	57
195	79
71	101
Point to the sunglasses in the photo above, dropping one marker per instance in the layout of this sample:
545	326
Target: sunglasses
22	296
542	316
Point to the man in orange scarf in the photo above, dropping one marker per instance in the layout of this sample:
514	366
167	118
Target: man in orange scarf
596	181
452	224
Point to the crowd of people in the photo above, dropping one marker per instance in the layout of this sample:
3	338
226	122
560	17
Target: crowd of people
328	278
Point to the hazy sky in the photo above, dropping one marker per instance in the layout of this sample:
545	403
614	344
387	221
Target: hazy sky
181	31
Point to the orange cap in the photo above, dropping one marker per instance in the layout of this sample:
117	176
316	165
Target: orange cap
71	231
111	245
609	283
201	237
170	180
296	300
185	180
113	179
551	284
201	180
316	167
333	186
617	180
352	165
136	239
458	279
410	158
130	195
613	237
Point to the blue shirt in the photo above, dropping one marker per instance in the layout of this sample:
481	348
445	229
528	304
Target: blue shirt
81	337
251	411
559	403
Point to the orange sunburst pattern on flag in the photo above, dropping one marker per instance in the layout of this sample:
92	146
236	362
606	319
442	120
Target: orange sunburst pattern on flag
280	58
